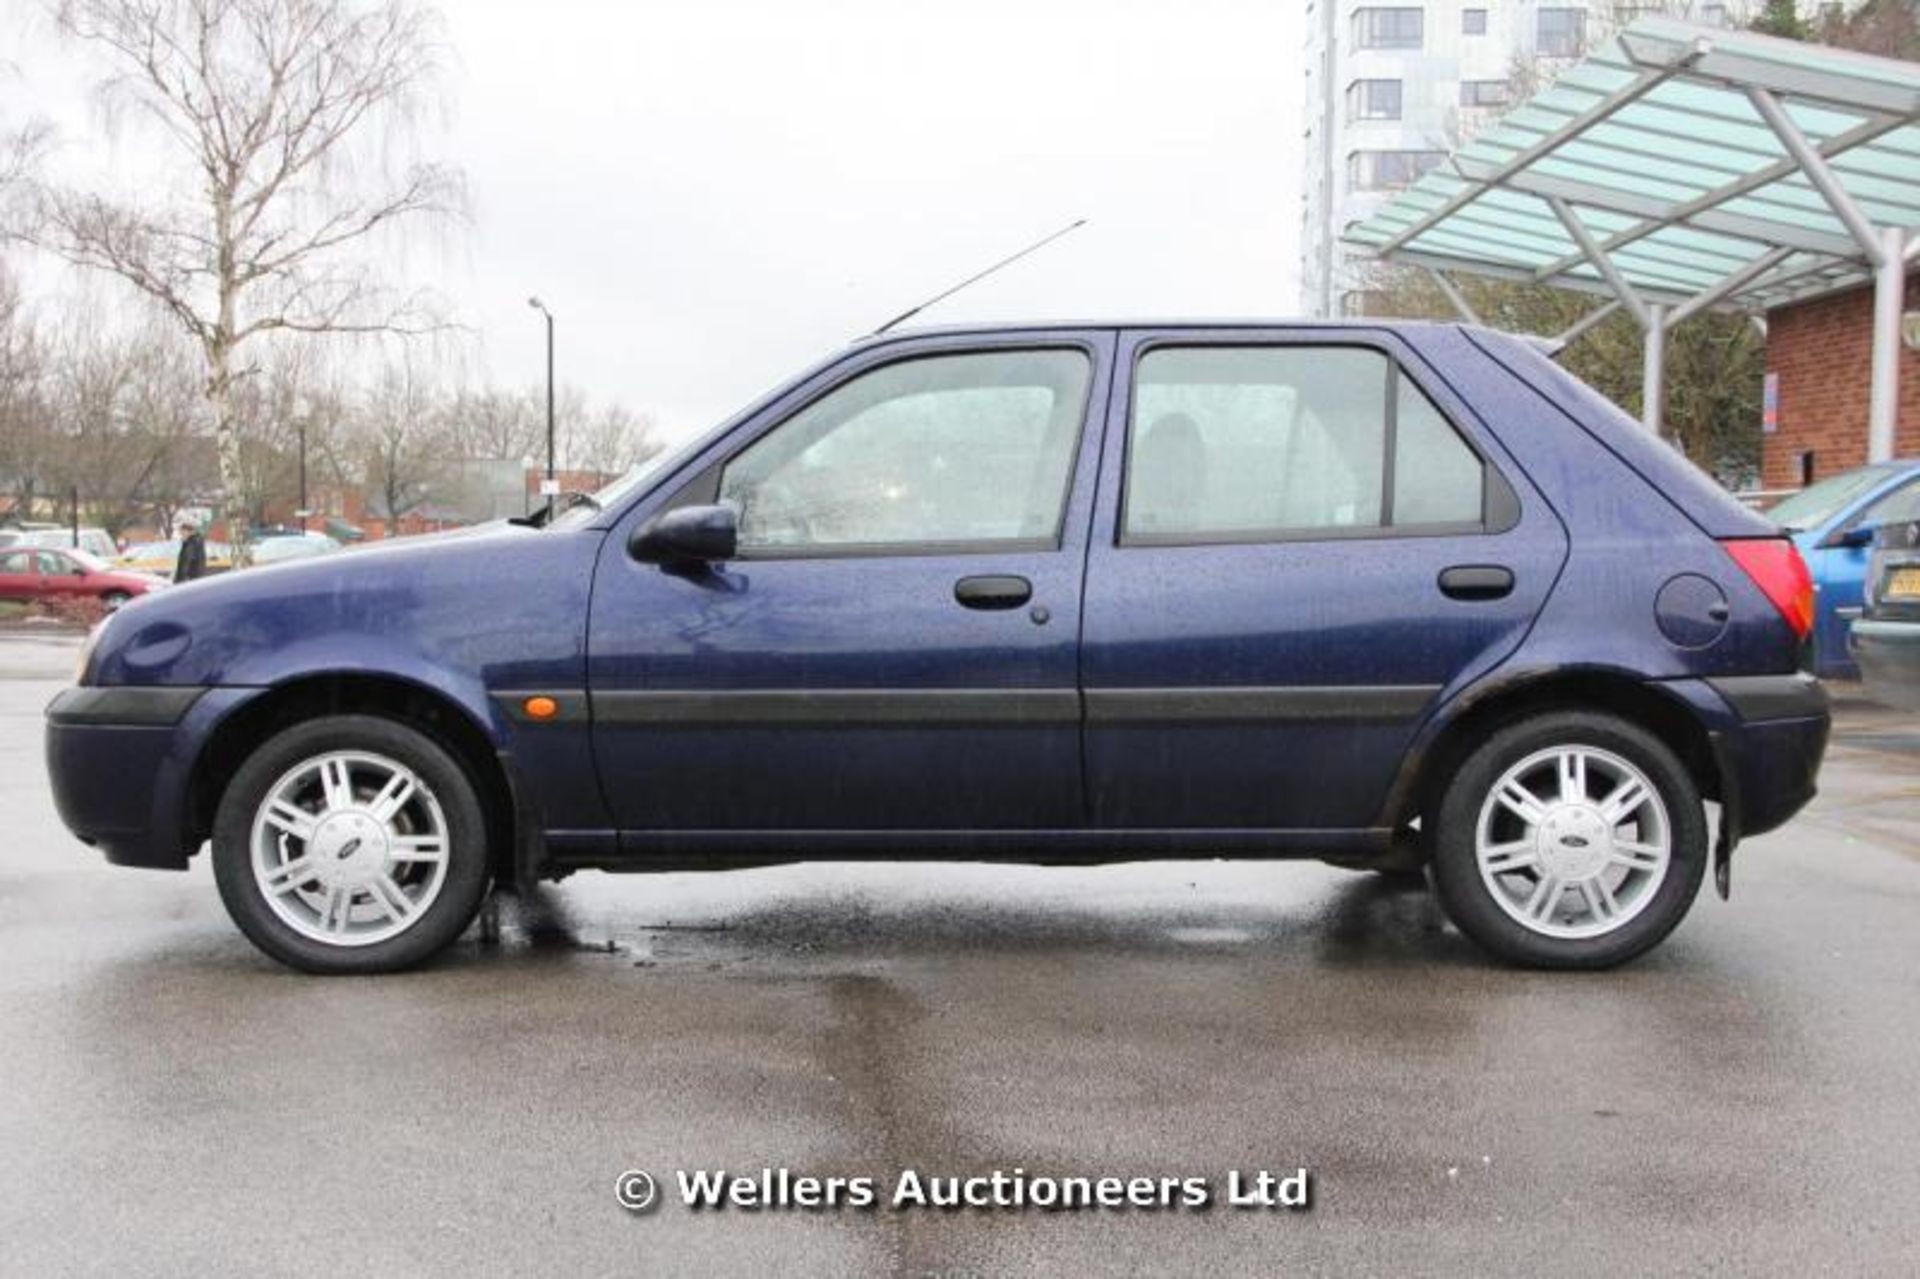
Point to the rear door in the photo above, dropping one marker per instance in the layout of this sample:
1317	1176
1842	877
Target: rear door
1303	538
896	645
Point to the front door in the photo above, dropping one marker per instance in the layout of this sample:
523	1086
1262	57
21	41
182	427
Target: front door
1309	541
896	645
20	577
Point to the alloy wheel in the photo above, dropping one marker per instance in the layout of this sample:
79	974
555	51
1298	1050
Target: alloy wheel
349	848
1573	842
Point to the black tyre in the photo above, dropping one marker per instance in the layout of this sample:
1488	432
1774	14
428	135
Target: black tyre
112	600
1570	840
351	844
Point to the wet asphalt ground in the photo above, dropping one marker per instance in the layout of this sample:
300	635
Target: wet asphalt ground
1746	1100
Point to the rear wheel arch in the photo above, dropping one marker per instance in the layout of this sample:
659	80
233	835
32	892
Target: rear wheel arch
1424	777
341	693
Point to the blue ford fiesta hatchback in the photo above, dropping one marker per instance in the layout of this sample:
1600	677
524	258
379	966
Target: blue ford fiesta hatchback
1386	595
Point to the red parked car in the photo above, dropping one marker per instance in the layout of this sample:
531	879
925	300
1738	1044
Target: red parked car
39	574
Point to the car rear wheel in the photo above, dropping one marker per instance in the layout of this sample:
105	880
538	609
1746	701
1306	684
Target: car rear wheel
1570	840
351	844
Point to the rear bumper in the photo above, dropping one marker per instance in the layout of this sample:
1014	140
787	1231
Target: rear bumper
1769	749
121	762
1889	656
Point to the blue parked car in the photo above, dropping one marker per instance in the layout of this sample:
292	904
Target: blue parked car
1382	594
1833	522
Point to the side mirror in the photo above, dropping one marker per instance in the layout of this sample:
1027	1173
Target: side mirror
1860	535
685	536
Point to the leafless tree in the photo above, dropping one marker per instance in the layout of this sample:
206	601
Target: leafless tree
269	112
496	423
614	441
402	426
23	409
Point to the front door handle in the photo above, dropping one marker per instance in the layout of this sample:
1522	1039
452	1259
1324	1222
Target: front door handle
993	591
1476	582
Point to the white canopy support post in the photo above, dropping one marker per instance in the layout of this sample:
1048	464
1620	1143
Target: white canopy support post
1889	297
1601	262
1813	166
1653	371
1455	296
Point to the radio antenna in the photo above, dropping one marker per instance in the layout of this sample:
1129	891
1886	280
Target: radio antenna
1035	247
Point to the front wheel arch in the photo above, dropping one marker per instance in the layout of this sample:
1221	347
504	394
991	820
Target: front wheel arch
351	693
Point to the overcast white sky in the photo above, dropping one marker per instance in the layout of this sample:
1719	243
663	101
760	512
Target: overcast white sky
713	193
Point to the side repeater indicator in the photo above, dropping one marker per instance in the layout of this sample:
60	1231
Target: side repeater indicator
540	707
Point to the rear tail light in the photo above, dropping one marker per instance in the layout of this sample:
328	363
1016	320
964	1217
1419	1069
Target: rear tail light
1775	566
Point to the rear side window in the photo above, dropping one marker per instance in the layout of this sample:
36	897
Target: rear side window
1255	443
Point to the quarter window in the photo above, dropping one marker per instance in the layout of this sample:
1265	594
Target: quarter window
1251	443
943	450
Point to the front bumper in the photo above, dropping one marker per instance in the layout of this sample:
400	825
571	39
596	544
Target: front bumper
1889	656
121	763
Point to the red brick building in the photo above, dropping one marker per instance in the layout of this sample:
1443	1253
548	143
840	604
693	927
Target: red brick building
1820	352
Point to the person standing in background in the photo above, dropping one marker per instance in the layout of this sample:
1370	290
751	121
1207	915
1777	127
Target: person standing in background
193	553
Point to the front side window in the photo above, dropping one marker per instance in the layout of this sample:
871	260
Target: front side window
1373	100
1251	443
1384	28
948	450
1561	32
1897	507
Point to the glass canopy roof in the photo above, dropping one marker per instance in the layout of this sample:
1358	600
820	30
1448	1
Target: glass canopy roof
1697	164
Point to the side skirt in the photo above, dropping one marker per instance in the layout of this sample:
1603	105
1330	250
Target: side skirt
569	851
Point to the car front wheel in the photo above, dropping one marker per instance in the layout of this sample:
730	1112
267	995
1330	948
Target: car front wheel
1570	840
351	844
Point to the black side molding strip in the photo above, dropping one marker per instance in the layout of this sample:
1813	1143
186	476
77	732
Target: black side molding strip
958	707
1796	696
1221	705
125	705
828	707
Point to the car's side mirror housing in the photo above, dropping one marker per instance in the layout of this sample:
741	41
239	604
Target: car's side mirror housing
687	535
1854	538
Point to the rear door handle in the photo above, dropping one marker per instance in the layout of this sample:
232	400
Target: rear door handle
1476	582
994	591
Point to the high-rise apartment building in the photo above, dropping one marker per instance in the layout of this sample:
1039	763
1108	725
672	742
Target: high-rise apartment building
1393	87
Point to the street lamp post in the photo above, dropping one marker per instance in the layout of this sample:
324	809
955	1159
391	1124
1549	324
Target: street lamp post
550	487
303	410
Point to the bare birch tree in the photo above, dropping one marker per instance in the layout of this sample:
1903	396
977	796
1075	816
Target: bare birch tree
269	110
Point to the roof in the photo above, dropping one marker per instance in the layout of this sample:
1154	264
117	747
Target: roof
1699	162
1134	323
